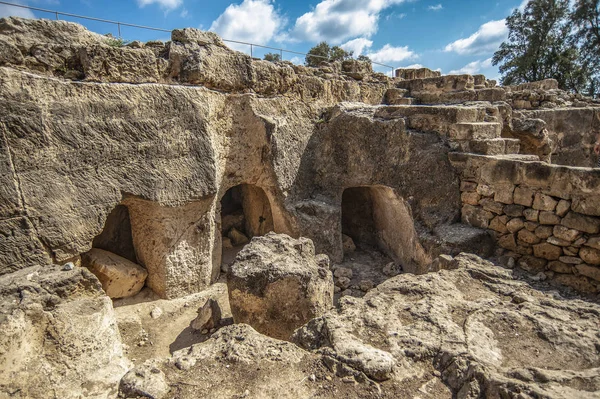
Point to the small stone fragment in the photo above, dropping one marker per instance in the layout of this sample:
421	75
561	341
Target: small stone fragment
209	316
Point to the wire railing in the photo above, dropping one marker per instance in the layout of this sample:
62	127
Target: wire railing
119	25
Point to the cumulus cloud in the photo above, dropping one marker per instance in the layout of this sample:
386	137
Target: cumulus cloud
389	53
487	39
357	46
337	20
473	68
253	21
10	11
437	7
166	4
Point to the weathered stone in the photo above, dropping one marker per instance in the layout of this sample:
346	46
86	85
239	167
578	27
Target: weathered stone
563	208
276	285
144	381
590	255
543	232
470	197
531	215
532	264
485	190
560	267
578	283
468	186
571	251
587	224
209	316
508	242
59	332
528	237
120	277
237	238
570	260
547	251
531	226
549	218
514	225
514	211
342	272
476	216
348	244
499	224
593	242
492	206
523	196
589	271
504	194
558	241
566	234
544	202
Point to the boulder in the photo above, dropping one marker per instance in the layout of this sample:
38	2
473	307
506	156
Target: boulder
276	285
120	277
145	381
237	238
348	244
59	335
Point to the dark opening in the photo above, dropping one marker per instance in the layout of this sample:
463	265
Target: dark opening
116	236
245	213
358	221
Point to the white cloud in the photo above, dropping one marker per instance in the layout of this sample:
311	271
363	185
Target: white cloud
389	53
487	39
473	68
166	4
437	7
297	60
10	11
337	20
357	46
253	21
184	13
413	66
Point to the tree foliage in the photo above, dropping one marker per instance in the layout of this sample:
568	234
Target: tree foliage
324	52
273	57
549	39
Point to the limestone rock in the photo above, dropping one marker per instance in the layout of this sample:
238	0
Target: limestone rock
348	244
587	224
58	330
209	316
120	277
276	285
237	238
145	381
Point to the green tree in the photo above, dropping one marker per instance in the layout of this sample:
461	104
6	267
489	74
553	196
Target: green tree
323	52
364	58
586	25
538	47
273	57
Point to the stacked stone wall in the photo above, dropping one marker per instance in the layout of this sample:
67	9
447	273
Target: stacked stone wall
546	217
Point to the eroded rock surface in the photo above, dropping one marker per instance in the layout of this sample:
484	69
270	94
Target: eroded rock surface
59	336
277	284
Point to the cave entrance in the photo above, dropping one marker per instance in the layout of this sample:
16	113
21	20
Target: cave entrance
116	237
380	225
245	213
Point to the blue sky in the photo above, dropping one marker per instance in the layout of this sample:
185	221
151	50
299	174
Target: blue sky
456	36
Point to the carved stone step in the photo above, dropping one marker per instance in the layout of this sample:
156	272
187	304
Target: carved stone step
498	146
475	131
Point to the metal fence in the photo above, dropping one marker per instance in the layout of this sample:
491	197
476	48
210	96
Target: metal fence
252	46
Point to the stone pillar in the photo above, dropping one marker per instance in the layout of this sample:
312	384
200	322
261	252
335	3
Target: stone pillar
175	244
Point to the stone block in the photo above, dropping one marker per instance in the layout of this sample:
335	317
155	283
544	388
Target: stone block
531	215
499	224
570	260
348	244
523	196
476	216
589	271
528	237
560	267
578	283
531	226
544	202
563	208
492	206
547	251
514	211
564	233
558	242
577	221
468	186
120	278
589	205
549	218
532	264
590	255
485	190
593	242
504	194
543	232
470	198
276	285
508	242
514	225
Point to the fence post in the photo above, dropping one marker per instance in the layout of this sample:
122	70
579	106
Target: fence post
251	52
56	15
119	25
